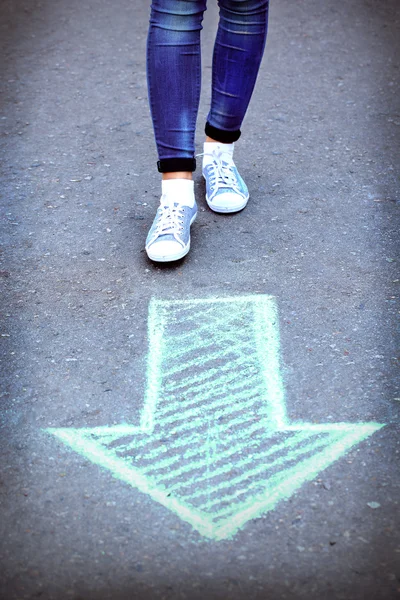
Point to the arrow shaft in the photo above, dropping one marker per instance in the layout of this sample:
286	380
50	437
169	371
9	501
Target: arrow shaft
223	343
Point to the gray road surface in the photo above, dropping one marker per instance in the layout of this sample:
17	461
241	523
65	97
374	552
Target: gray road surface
320	153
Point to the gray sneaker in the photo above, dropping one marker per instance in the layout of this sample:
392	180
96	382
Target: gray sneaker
169	236
226	192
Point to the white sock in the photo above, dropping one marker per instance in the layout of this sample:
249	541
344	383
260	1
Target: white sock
179	190
210	147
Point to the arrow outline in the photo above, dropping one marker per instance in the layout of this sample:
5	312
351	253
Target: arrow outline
275	421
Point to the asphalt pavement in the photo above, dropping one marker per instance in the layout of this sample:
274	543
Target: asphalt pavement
225	427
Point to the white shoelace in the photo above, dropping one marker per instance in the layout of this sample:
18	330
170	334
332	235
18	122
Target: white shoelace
222	172
170	221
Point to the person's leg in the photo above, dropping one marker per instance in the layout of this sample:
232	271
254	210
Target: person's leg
239	47
174	80
238	51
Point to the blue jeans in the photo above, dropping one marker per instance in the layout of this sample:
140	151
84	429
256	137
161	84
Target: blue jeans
174	73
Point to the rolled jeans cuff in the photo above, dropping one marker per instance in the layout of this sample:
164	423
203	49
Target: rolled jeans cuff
173	165
220	135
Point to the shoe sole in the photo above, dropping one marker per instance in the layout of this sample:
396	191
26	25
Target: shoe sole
227	210
173	257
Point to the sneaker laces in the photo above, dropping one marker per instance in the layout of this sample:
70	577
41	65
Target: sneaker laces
222	171
170	221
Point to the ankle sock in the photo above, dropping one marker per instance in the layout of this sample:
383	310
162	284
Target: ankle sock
210	147
179	190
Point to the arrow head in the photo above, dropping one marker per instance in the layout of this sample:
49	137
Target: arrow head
217	491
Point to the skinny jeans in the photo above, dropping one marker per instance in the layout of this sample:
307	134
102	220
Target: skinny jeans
174	73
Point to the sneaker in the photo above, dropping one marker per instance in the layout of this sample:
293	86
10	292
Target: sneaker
226	192
169	236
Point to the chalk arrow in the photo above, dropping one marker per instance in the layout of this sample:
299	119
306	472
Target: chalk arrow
214	444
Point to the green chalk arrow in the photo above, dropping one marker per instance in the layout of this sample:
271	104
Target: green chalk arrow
214	444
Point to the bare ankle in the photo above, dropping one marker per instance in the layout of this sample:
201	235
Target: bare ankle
208	139
177	175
